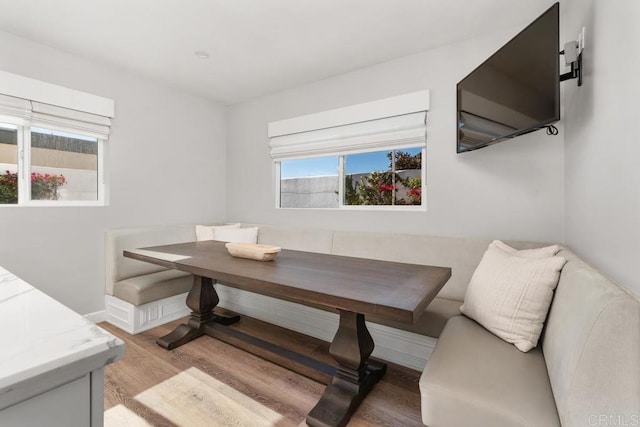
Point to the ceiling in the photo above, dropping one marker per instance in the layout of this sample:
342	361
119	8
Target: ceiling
255	47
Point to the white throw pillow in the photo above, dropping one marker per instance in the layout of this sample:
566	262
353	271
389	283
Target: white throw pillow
545	252
205	232
236	235
510	293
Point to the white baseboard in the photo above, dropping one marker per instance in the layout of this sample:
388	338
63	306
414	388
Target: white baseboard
139	318
96	316
394	345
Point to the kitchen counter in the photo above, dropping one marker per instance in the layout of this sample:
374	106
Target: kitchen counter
44	347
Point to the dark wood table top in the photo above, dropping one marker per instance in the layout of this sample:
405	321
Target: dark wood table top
388	290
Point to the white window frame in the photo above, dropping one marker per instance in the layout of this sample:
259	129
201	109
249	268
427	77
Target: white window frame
45	105
23	148
388	124
341	189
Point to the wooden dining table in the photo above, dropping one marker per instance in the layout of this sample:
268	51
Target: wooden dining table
354	287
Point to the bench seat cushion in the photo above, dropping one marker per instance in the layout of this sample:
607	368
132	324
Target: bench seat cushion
142	289
431	322
474	378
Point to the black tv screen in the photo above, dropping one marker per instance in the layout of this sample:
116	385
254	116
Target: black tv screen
516	90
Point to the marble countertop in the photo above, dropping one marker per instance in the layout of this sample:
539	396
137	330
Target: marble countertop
44	344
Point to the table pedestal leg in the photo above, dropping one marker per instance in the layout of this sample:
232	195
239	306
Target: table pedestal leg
201	300
354	378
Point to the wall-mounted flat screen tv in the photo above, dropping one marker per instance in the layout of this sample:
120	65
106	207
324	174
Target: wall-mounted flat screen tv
516	90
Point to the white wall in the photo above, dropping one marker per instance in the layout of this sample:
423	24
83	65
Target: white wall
602	154
512	190
166	164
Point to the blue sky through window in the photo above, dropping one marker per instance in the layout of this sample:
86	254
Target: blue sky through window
319	166
328	166
366	162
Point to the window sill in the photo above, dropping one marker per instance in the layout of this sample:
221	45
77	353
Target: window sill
364	208
57	204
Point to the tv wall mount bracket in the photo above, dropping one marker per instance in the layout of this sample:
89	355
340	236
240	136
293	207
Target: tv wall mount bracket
572	58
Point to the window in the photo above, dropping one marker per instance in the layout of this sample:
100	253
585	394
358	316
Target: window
384	178
40	166
64	166
310	183
51	144
368	156
8	164
380	178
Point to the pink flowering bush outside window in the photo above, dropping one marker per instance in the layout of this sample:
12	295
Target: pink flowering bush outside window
43	187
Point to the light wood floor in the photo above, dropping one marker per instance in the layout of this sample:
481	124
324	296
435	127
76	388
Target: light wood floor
209	383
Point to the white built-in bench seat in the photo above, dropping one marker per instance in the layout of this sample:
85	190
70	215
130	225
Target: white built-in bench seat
140	296
585	370
139	290
472	375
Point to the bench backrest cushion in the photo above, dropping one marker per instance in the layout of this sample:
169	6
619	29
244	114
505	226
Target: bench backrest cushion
591	346
462	255
297	239
119	268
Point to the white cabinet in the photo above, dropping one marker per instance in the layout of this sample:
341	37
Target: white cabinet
52	368
64	406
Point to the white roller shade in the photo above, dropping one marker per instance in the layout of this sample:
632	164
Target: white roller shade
14	107
397	122
406	131
50	116
47	93
47	105
58	118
